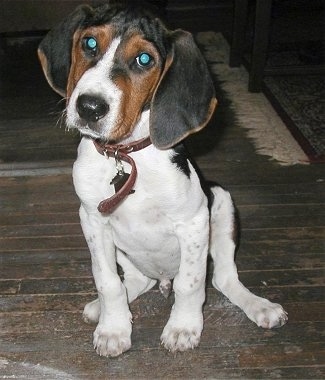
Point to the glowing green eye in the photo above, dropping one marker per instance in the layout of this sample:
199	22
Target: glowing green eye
144	59
90	45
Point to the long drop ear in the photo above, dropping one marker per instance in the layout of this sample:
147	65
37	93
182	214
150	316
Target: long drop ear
54	51
184	100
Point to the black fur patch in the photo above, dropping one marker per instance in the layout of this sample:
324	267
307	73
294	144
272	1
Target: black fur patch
180	159
127	16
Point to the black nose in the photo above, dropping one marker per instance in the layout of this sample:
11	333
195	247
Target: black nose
91	107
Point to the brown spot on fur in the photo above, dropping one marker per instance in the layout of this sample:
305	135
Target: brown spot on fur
80	62
137	85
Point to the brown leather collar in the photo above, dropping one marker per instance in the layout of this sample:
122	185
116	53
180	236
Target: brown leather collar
122	153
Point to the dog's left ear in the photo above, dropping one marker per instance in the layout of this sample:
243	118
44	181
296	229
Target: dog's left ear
184	100
54	51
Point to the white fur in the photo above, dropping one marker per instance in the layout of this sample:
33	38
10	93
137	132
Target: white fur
225	276
159	232
163	231
95	81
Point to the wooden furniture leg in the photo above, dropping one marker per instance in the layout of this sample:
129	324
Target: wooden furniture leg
238	32
260	44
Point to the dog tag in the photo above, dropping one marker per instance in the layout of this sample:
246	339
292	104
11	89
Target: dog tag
119	180
121	177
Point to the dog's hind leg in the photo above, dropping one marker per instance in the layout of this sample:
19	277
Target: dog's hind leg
225	277
135	282
91	312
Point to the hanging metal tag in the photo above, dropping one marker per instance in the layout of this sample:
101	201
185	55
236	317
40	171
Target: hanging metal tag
121	177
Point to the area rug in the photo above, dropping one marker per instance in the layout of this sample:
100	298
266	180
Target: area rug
253	111
300	102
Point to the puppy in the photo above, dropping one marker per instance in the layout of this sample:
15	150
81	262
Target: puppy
135	90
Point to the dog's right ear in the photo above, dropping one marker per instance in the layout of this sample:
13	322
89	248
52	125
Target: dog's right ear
54	51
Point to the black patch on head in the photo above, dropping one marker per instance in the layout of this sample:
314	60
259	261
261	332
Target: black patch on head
129	16
180	159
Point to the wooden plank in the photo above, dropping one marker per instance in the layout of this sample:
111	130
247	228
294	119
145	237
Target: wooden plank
287	193
12	220
289	234
37	230
282	210
38	184
68	269
43	243
25	204
221	363
46	257
282	356
269	247
234	173
276	261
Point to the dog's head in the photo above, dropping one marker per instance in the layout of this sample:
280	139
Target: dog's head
114	62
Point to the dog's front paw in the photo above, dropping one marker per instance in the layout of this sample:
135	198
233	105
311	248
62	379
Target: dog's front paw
182	334
112	341
267	314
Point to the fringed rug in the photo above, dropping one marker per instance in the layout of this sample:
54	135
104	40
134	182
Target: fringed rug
252	111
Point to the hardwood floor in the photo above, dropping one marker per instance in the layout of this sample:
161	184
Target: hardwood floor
45	274
46	280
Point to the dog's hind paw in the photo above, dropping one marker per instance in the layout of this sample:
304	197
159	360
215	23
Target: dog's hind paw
112	342
267	314
91	312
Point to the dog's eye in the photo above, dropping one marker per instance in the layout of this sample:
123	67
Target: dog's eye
144	60
90	46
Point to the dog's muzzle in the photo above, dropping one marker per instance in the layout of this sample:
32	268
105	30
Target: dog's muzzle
91	108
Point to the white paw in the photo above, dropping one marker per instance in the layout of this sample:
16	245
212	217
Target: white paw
181	336
267	314
91	312
112	341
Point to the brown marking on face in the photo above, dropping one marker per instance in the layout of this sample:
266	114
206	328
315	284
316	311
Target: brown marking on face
80	61
137	84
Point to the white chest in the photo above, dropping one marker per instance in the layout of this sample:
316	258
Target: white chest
143	226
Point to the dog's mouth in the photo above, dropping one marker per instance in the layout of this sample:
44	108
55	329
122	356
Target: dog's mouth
95	130
91	129
86	131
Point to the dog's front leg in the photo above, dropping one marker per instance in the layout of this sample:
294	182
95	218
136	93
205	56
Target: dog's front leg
183	330
113	333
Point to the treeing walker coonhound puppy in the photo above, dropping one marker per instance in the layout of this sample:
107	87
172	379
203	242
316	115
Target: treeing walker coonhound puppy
135	90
